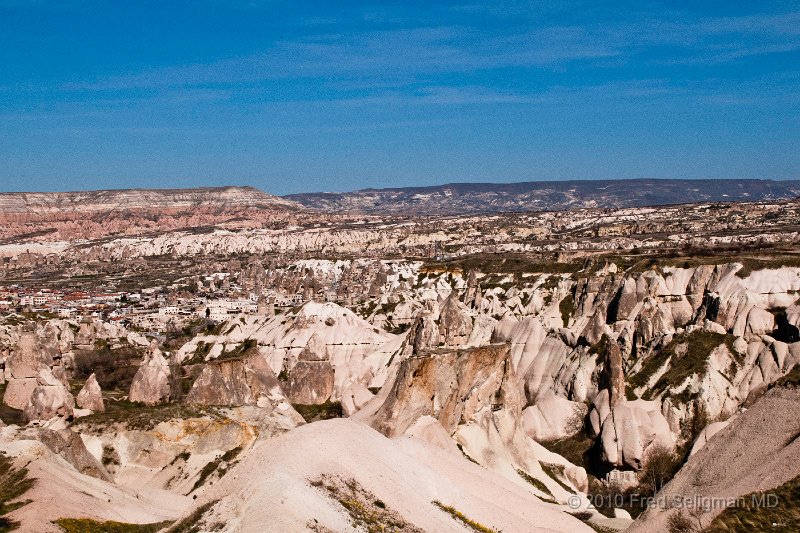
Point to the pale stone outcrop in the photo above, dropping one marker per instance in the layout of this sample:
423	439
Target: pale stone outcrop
422	335
629	429
706	433
29	357
430	430
18	392
317	339
151	383
616	376
354	398
90	396
69	445
35	361
553	417
48	401
310	382
235	382
474	395
455	322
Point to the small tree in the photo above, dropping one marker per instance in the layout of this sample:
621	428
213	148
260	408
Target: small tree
662	464
680	523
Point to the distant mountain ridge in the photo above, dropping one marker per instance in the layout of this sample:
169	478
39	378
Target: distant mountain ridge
477	198
136	199
448	199
98	214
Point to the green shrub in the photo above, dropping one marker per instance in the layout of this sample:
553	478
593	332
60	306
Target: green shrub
314	413
114	368
680	523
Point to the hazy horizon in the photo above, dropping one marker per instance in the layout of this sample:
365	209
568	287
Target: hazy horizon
344	191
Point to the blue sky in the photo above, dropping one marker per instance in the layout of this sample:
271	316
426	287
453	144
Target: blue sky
333	96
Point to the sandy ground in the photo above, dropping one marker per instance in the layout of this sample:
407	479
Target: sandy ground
62	492
270	490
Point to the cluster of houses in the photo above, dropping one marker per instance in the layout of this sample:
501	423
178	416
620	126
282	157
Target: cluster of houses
157	305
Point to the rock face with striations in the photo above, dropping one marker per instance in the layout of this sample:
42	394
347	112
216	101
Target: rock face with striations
96	214
474	396
354	398
235	382
423	335
69	445
311	380
151	383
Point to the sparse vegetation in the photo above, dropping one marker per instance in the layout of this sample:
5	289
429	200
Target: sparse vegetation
314	413
506	263
750	515
14	483
139	416
680	523
178	337
110	456
575	449
397	329
114	368
692	425
213	466
585	517
661	466
538	485
195	523
365	510
687	355
555	472
791	379
243	350
87	525
600	348
461	517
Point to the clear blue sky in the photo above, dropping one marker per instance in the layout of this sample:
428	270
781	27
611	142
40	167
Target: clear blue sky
295	96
